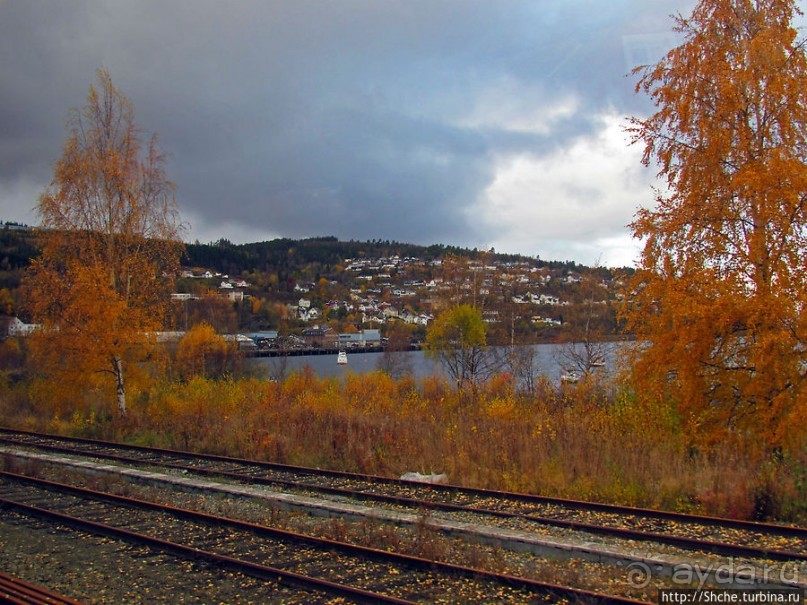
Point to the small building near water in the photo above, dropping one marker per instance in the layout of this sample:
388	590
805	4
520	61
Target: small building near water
363	339
323	338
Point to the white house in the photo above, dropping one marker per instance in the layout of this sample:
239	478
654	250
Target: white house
17	327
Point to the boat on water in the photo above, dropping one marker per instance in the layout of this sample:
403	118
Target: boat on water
341	359
570	377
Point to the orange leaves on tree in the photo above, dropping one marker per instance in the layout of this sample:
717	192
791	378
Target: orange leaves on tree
111	235
203	352
720	293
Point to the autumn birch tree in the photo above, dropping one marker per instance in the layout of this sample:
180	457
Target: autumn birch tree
719	295
110	233
457	339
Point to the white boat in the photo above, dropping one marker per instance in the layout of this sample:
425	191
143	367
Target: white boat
570	377
341	359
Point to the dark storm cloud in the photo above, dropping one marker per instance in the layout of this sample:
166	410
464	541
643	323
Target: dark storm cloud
356	118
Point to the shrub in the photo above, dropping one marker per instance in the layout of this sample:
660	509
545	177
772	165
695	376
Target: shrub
203	352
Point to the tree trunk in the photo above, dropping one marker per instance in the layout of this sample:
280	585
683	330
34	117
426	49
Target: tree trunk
117	366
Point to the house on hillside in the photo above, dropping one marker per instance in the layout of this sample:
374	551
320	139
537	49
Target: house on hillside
305	312
387	310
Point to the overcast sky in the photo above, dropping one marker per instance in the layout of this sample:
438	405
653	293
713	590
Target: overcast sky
480	123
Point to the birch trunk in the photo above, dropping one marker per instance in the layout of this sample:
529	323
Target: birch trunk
117	366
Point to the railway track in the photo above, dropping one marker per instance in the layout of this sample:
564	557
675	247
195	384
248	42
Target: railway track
353	573
723	537
15	591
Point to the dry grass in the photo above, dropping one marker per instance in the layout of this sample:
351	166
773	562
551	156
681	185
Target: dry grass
586	442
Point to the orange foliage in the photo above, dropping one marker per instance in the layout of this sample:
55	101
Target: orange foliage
203	352
576	443
88	331
110	233
719	296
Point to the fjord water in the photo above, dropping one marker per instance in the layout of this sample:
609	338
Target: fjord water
548	360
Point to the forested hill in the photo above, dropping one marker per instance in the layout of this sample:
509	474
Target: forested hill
289	254
18	246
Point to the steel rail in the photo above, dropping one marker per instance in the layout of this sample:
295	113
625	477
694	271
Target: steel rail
16	591
766	528
256	570
533	586
771	528
684	542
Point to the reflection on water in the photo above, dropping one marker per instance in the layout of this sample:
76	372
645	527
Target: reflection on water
548	360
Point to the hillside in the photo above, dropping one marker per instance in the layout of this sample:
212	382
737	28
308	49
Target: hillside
291	285
17	247
328	252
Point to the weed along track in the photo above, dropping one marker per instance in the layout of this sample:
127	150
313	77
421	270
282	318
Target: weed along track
620	538
354	573
722	536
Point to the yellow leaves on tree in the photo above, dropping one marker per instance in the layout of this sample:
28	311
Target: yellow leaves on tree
203	352
720	295
110	237
457	339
